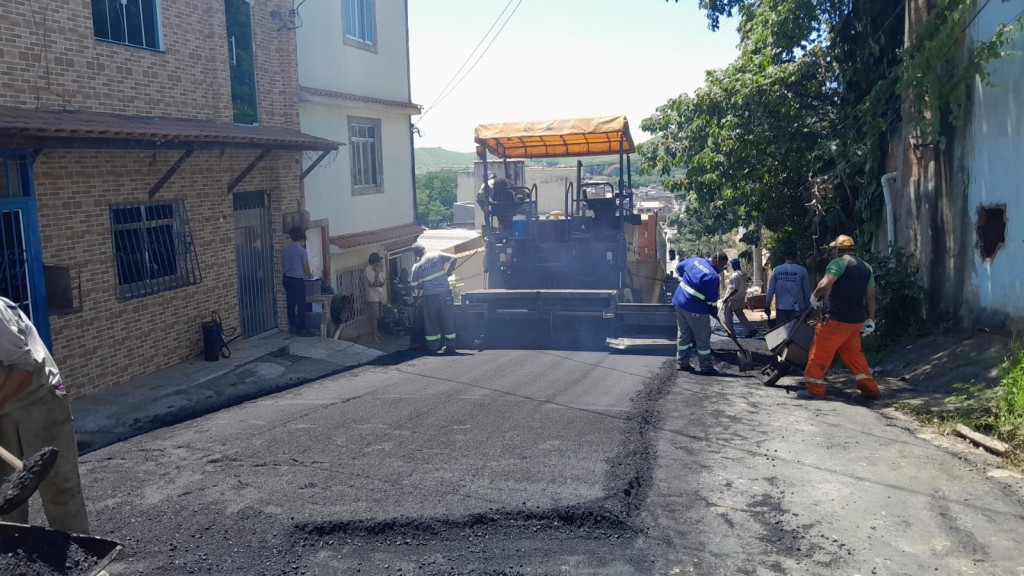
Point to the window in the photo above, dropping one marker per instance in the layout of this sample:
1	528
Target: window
129	22
153	249
991	230
360	23
367	168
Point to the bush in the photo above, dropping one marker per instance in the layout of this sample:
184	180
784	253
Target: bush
900	296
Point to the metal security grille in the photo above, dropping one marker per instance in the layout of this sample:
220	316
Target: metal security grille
21	265
349	284
254	254
14	281
153	248
131	22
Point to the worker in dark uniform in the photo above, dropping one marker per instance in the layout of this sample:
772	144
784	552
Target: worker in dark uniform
497	198
430	276
696	301
849	283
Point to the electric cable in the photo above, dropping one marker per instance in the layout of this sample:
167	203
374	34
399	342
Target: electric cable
443	96
468	58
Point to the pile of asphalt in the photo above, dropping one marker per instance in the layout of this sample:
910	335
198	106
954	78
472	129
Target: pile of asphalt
49	553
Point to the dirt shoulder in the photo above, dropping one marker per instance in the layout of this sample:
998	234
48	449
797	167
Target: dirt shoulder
925	373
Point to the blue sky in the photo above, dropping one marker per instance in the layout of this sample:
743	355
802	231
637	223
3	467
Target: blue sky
556	59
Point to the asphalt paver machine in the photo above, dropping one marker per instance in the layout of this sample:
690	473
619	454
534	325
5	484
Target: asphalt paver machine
585	276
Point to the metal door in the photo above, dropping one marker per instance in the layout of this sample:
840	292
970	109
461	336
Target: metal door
254	252
21	259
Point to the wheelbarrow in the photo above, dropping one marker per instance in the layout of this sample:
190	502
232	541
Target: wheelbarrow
790	345
28	549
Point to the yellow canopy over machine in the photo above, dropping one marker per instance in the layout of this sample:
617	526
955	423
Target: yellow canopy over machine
557	138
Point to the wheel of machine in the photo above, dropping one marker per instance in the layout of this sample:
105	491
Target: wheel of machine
776	373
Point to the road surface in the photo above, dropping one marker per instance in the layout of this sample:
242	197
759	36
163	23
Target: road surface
548	462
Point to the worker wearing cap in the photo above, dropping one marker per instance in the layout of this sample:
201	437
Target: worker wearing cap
430	276
35	414
732	305
696	300
849	282
790	288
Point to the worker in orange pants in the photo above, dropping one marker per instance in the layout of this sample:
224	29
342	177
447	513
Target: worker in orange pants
830	337
849	283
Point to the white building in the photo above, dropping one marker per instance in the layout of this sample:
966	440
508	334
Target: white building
353	72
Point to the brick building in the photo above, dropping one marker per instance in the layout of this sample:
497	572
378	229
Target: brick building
150	161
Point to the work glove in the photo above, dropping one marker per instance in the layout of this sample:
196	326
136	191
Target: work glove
815	302
768	312
869	327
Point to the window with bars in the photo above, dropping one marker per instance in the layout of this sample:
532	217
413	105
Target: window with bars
153	249
360	21
128	22
365	148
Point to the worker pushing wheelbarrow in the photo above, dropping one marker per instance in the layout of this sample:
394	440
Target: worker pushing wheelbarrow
790	345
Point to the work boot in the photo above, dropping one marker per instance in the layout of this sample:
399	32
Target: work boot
450	351
805	395
684	367
708	371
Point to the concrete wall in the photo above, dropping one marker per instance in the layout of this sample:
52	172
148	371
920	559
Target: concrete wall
327	61
329	187
355	75
939	191
992	158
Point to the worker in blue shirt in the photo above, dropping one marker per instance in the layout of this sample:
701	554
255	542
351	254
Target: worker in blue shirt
696	301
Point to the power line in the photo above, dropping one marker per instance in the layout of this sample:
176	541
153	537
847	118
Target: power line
469	57
443	95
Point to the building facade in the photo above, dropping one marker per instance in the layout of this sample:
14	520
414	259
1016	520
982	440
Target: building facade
354	88
150	160
953	207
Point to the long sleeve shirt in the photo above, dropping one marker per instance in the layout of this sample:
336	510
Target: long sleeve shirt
698	286
790	287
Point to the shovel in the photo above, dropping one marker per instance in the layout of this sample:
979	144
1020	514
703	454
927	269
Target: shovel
27	477
743	356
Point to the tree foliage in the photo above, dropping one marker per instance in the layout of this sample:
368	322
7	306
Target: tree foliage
436	192
793	134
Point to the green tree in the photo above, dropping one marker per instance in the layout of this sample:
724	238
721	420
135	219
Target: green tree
753	142
435	195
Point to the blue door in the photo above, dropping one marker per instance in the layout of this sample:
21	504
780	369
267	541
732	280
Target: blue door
21	258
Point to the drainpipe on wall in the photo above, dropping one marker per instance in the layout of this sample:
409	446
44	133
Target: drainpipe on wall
888	180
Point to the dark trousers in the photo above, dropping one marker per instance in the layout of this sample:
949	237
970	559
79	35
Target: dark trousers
295	302
439	322
783	316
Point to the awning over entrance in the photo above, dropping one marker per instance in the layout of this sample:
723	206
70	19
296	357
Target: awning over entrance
405	233
557	138
38	130
57	129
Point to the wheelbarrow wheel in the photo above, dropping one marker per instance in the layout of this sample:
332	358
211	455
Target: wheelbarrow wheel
776	374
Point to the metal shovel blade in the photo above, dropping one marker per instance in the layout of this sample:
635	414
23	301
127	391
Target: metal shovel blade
744	358
20	486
